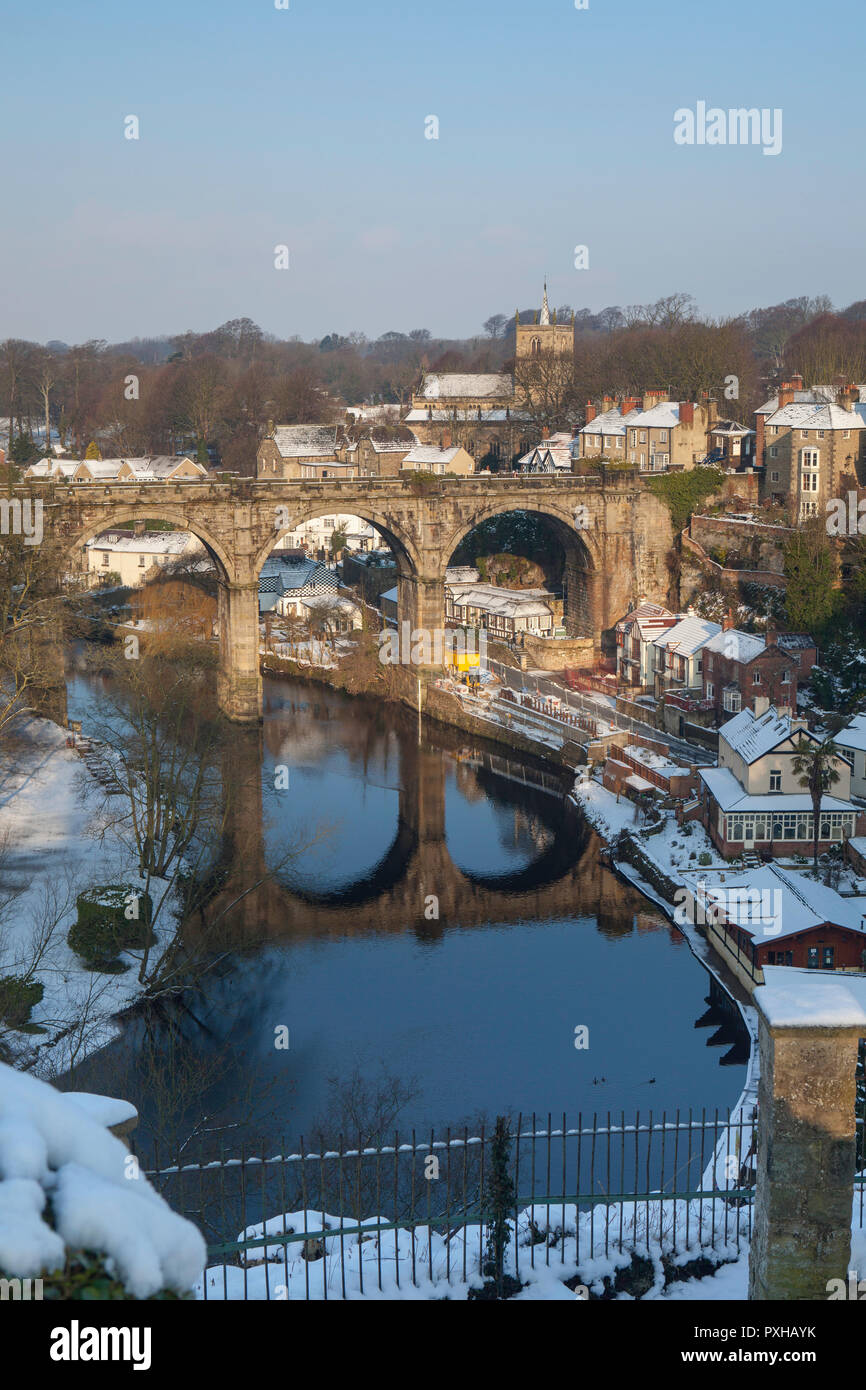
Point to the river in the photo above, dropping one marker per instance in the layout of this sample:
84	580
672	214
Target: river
437	946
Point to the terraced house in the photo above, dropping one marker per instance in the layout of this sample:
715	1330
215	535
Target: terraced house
652	432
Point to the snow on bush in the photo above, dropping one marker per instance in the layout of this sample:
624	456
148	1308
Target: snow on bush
67	1184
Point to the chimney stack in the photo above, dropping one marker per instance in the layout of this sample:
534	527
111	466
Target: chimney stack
727	623
545	431
591	412
797	381
687	412
786	393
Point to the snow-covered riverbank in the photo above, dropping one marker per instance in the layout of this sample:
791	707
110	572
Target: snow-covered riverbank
56	841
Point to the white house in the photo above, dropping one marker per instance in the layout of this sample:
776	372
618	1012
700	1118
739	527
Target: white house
851	741
753	799
504	612
136	556
678	654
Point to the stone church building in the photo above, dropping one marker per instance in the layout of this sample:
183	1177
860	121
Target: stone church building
482	411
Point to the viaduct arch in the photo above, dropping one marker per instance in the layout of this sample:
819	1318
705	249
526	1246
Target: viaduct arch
615	534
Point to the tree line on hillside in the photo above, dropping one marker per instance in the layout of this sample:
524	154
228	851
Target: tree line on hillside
213	393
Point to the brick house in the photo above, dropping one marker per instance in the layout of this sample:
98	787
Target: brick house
776	916
752	799
744	671
651	760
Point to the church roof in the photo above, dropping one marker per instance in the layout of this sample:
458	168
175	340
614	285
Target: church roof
453	385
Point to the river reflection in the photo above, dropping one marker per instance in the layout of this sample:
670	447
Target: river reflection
450	927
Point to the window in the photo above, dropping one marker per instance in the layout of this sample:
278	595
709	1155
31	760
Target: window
663	436
804	434
711	690
774	454
828	958
780	957
643	436
775	781
756	678
731	701
820	434
141	562
846	434
105	557
774	477
786	677
812	957
709	661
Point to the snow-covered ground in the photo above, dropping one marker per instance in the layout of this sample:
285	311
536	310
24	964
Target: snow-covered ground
51	848
66	1181
551	1243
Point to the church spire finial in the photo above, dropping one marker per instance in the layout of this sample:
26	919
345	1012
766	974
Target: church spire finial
545	307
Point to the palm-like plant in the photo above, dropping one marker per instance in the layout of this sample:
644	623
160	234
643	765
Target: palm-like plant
814	766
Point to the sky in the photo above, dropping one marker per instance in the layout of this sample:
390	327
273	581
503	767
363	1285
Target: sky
306	127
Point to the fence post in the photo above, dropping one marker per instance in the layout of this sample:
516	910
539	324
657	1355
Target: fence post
810	1025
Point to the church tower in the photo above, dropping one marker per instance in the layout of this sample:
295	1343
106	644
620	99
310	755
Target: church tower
545	335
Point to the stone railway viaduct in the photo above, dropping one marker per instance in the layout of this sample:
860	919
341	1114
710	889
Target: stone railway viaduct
615	536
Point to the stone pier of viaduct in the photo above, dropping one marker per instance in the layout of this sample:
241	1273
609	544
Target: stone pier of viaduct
615	536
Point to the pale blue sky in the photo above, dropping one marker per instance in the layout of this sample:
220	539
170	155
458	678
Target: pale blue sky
306	127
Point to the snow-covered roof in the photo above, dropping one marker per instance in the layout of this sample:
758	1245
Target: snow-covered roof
687	636
775	902
453	385
819	417
741	647
853	735
305	441
647	616
430	453
390	595
611	422
390	446
731	796
511	603
495	416
730	427
816	395
150	543
462	574
163	465
752	735
665	415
